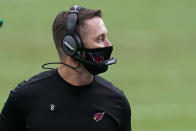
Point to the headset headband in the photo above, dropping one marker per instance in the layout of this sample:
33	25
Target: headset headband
72	20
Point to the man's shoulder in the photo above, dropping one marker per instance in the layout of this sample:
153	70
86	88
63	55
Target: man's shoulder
35	79
119	94
107	84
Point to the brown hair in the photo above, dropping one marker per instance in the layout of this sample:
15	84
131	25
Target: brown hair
59	25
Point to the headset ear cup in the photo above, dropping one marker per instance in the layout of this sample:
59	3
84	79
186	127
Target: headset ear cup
69	45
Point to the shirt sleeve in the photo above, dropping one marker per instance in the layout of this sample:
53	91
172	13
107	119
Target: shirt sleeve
125	124
11	117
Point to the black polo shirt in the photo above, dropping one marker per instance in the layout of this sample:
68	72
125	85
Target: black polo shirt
48	103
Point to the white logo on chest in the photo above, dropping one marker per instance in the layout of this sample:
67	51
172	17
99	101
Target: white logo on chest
52	107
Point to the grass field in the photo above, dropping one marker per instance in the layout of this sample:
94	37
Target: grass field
154	41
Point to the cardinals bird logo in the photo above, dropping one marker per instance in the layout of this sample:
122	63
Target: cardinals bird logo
98	116
98	59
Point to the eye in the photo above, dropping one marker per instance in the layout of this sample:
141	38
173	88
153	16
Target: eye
101	38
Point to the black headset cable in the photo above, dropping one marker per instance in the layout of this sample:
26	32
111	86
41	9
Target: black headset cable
52	63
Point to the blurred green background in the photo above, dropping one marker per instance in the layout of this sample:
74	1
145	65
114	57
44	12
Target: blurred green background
154	41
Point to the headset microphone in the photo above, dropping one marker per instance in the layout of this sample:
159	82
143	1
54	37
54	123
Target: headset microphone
110	61
106	62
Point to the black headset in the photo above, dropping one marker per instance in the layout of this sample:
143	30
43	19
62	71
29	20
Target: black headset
71	42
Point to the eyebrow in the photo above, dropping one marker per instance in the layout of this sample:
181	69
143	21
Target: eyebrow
102	34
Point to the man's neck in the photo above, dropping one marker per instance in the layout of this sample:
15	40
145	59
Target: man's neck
76	77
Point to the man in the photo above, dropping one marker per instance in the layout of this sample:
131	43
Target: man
72	97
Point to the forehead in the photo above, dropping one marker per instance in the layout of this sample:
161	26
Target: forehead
95	26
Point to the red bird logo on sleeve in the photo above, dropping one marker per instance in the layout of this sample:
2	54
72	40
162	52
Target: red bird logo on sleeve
98	116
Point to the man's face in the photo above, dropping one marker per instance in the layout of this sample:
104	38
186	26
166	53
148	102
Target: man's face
94	34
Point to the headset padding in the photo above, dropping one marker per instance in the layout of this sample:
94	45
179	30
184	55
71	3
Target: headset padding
71	24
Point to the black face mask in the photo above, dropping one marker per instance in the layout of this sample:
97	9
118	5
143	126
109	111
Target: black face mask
97	55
